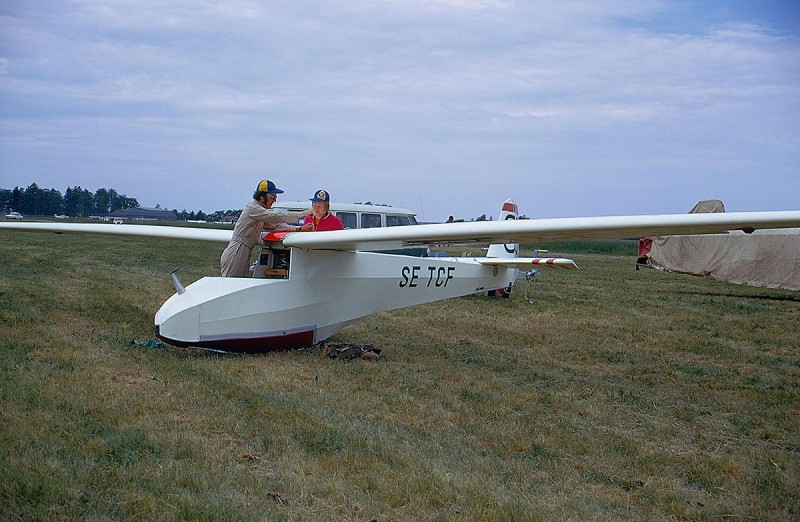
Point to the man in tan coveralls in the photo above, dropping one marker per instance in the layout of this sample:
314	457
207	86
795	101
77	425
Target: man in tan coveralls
256	216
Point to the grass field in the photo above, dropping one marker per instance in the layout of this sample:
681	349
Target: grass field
618	395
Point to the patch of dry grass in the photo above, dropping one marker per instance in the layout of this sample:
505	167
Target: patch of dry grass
619	395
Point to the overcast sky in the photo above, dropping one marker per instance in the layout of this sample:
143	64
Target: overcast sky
571	107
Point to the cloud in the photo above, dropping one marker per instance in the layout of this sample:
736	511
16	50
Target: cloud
421	99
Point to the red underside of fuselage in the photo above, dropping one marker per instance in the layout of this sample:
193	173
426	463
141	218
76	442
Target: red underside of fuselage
264	344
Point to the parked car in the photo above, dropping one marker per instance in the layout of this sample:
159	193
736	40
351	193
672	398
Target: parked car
14	215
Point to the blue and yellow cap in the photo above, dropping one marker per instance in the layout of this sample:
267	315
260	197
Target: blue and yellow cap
268	186
321	196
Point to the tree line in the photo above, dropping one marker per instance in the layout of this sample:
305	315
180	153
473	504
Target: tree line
80	202
76	201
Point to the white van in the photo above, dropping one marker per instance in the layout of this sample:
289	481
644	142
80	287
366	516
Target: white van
273	262
360	216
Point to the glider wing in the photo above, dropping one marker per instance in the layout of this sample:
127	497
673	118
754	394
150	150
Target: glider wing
170	232
540	230
473	234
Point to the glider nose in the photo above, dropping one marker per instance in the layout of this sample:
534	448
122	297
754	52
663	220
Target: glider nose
176	323
173	342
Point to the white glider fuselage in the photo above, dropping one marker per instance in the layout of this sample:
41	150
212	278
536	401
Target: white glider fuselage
326	290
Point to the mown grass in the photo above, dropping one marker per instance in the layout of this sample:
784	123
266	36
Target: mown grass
618	395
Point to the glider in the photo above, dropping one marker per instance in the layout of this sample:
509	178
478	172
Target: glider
306	286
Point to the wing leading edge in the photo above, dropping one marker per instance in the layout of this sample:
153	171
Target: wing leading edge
474	234
169	232
540	230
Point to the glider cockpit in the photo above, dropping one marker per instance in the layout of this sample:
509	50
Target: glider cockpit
273	257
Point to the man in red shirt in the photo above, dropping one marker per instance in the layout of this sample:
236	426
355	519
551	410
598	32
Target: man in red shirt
321	219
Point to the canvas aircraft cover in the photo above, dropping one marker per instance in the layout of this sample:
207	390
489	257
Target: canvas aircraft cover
767	258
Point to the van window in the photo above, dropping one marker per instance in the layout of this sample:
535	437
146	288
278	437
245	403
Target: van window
370	220
348	219
396	221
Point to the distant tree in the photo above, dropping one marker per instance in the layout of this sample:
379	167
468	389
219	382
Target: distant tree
120	201
75	201
5	199
126	202
31	200
78	202
38	202
16	194
52	203
217	216
106	201
101	203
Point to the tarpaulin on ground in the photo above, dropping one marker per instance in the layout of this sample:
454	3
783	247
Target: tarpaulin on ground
768	258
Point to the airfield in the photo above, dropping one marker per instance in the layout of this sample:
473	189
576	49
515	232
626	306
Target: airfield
618	395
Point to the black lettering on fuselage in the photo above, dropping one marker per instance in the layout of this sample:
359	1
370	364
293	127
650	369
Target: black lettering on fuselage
409	275
450	270
438	276
431	271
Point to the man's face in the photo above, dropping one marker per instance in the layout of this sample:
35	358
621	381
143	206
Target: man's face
269	199
319	208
